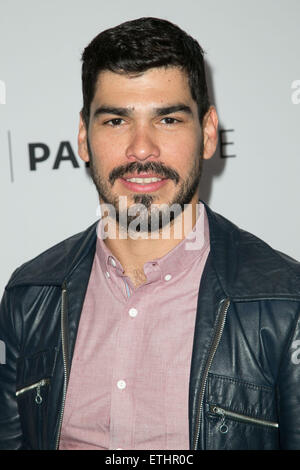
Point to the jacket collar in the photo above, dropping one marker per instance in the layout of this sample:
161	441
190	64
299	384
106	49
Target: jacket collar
58	263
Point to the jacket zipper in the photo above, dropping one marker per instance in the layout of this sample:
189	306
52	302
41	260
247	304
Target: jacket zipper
37	385
224	306
65	360
223	427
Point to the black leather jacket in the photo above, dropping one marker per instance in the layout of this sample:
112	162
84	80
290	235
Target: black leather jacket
245	371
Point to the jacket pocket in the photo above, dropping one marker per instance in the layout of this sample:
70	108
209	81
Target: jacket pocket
36	387
240	415
227	415
34	375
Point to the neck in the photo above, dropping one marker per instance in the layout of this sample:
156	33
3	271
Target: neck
134	250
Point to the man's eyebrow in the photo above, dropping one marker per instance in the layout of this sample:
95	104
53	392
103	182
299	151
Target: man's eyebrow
112	110
173	109
161	111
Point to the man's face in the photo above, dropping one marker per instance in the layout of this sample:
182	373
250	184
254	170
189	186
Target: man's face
144	139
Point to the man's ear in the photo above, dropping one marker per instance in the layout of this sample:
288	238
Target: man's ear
210	132
82	140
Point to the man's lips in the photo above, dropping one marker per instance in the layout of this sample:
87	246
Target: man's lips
142	175
152	182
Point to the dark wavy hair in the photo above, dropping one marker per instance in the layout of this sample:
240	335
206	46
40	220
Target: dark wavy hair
138	45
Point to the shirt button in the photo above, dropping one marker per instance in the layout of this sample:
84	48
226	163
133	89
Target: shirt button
112	262
121	384
133	312
168	277
107	274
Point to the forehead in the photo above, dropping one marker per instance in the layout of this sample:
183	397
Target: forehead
161	84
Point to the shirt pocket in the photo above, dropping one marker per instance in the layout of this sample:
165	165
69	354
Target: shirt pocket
240	415
34	374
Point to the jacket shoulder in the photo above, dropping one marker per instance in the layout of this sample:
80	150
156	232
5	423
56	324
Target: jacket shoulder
248	266
52	265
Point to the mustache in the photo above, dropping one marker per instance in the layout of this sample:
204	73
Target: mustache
156	167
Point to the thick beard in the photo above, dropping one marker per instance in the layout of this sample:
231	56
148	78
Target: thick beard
150	219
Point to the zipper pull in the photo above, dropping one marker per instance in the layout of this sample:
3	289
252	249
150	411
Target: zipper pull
38	397
223	428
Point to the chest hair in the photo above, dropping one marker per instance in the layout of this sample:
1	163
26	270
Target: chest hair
137	276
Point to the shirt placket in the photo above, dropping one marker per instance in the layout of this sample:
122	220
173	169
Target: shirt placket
125	369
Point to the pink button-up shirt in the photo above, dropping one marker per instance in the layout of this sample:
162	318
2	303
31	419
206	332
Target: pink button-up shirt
129	381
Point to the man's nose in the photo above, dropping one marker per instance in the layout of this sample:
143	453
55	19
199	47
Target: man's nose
142	145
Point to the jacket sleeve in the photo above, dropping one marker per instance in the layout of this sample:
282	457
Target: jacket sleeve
289	392
10	427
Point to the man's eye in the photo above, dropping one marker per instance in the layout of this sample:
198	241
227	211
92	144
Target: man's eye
114	122
170	120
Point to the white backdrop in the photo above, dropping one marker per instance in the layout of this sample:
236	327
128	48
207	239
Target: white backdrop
254	73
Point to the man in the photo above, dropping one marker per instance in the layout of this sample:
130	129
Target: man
163	326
